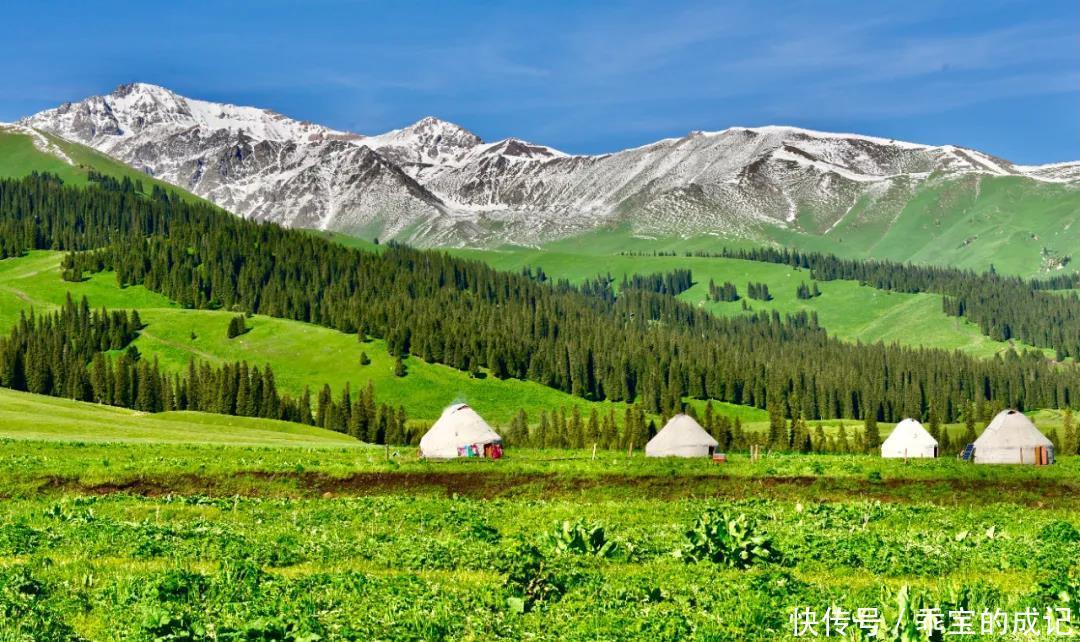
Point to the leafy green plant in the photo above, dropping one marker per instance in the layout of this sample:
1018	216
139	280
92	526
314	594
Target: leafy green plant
529	576
731	541
162	625
1059	531
581	538
270	630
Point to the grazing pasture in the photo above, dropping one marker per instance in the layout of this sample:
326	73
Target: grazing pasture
169	541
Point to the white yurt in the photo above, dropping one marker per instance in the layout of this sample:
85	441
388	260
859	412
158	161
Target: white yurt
909	439
1011	438
460	432
681	436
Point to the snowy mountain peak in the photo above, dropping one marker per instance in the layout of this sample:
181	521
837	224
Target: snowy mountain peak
435	182
517	149
428	141
141	110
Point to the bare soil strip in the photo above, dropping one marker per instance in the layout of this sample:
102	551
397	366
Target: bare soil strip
495	485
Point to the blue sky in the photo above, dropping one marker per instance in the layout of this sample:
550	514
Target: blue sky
590	77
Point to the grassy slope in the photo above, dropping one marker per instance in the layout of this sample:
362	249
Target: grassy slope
846	309
28	416
973	223
19	157
300	354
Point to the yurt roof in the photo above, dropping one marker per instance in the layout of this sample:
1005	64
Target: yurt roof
1011	429
910	431
682	430
461	425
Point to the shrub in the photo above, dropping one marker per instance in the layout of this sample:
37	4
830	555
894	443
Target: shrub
1059	531
180	585
529	577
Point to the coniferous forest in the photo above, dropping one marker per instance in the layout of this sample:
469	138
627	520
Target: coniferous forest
642	345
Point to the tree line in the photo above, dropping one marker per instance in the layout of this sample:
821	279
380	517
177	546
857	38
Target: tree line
643	346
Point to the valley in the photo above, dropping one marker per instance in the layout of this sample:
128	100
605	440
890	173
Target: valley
147	519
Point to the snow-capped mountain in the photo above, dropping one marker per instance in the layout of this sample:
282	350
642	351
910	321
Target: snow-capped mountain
434	182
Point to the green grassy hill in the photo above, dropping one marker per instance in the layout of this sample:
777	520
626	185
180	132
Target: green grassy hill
1012	223
846	309
28	416
19	157
301	354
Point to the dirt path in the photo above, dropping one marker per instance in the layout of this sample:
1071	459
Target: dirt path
179	346
23	295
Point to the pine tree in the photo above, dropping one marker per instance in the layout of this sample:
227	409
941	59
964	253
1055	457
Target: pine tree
542	429
871	434
969	423
935	423
558	429
322	407
1071	445
592	429
802	432
777	426
842	443
575	429
738	437
244	406
305	407
609	428
399	367
237	326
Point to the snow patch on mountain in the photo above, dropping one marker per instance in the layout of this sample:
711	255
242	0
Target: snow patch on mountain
40	141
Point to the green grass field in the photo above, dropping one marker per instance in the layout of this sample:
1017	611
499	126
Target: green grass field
168	541
26	416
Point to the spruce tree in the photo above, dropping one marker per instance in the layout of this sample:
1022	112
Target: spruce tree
777	426
842	443
871	434
1071	444
592	429
969	425
237	326
542	429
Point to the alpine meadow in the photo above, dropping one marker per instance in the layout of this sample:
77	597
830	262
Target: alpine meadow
268	379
